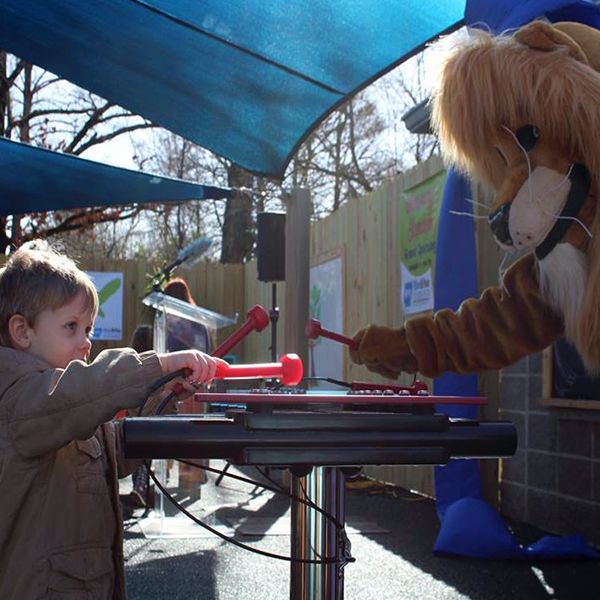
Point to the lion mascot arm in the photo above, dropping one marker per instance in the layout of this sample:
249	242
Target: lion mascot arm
491	332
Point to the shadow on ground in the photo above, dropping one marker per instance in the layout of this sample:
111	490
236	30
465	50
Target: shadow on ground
169	577
399	565
415	527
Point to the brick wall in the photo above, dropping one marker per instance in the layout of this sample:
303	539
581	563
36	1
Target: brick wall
553	481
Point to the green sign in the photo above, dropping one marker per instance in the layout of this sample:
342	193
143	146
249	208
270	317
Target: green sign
419	217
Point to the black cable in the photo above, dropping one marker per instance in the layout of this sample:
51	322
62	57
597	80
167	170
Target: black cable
277	386
164	402
281	489
226	538
156	385
329	380
277	489
305	501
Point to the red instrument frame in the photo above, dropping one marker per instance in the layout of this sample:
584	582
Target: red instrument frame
282	399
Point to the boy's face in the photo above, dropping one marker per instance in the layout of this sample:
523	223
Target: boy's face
62	335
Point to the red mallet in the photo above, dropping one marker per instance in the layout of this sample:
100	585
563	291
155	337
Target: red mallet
289	371
313	330
257	318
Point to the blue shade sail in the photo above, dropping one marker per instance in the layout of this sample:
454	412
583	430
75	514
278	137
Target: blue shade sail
246	79
498	16
33	179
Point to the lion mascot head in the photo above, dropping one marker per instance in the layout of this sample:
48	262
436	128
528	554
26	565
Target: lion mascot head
522	114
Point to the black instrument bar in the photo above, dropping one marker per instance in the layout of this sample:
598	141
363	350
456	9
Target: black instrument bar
227	438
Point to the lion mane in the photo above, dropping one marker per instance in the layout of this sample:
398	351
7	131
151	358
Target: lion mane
548	76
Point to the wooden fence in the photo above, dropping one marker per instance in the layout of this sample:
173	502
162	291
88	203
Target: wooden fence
366	233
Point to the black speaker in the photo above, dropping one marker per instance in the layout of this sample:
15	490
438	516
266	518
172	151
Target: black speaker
270	246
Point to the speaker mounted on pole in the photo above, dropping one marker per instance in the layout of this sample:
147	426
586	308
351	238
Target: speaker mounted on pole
270	246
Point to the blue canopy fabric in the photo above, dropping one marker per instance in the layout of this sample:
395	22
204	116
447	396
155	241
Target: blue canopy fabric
500	16
34	179
247	80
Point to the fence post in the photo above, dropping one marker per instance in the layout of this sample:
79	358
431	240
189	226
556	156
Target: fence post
297	265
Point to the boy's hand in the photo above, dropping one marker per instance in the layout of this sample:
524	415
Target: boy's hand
202	366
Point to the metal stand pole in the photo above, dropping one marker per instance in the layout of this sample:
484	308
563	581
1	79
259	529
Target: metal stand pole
314	537
274	316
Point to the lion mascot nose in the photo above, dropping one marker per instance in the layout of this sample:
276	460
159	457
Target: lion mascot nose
498	221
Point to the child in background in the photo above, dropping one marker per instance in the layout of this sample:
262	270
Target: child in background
60	456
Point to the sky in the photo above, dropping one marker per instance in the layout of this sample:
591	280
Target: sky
118	152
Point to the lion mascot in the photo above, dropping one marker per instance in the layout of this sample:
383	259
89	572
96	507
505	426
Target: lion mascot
522	114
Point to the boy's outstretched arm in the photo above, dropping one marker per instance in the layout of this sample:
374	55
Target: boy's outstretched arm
47	409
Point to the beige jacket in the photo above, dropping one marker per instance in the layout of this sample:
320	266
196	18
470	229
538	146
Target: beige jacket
60	521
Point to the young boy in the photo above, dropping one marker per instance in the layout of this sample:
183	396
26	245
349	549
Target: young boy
60	525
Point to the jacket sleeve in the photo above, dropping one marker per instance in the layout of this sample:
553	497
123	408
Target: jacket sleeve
126	466
46	409
491	332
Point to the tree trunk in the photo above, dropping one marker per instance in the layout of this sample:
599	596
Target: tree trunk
24	135
238	226
4	241
3	92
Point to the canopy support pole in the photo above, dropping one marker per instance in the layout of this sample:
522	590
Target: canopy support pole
315	536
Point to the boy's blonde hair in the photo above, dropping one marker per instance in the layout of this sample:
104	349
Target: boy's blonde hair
37	277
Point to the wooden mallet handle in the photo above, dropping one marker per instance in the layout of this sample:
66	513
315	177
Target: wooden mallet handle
314	330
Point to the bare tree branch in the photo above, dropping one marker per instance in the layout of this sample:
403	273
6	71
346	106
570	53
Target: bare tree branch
85	219
10	80
91	122
100	139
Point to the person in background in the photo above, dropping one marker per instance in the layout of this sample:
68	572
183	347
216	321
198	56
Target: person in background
183	334
61	533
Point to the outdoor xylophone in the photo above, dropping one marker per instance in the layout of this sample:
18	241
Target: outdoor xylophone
322	433
315	434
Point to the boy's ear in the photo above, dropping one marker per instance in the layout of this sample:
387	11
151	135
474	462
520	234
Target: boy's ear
18	329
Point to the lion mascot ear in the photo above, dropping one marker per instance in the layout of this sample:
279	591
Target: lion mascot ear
582	42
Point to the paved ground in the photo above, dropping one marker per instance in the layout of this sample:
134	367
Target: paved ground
398	565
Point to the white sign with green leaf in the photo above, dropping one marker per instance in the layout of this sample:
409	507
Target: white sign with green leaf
418	223
109	323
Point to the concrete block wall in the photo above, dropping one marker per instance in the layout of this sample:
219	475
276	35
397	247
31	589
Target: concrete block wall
553	481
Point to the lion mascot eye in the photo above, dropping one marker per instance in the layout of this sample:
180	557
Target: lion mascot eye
528	135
